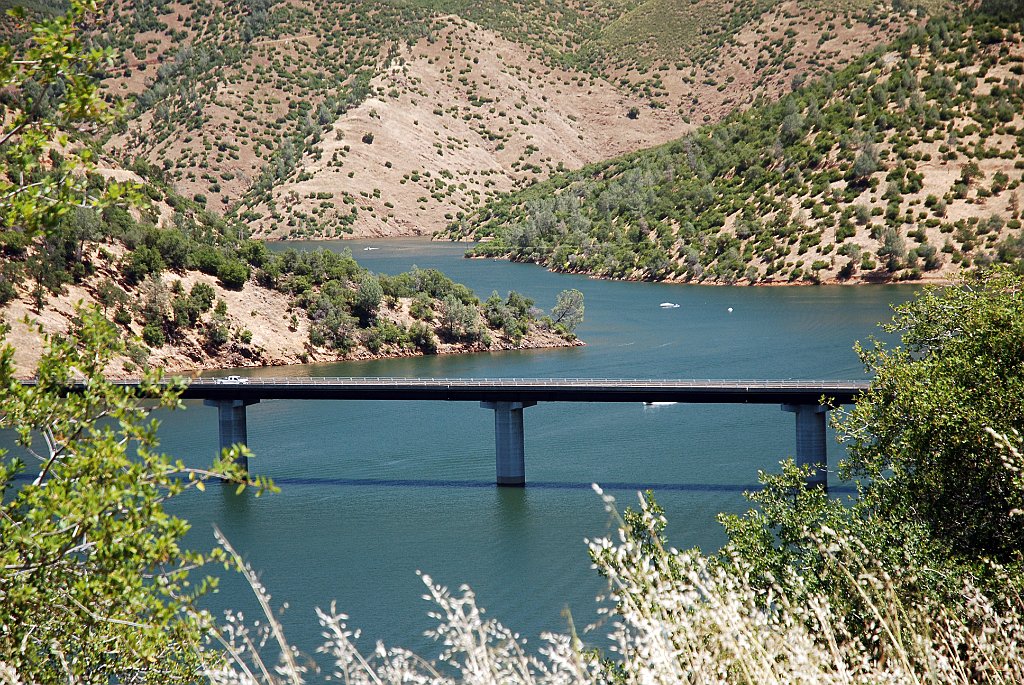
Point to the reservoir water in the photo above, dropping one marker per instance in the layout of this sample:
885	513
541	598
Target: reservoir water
371	492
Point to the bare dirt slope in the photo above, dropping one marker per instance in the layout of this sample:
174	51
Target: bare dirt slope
265	119
789	44
458	119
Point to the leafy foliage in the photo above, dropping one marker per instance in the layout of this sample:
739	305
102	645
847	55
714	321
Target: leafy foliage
568	310
922	428
50	97
937	494
94	582
51	92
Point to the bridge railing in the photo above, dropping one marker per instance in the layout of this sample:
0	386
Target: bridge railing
517	381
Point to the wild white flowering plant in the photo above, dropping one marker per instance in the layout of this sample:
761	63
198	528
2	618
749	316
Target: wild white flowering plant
474	649
681	617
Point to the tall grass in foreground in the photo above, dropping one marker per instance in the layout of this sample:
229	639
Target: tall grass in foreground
680	617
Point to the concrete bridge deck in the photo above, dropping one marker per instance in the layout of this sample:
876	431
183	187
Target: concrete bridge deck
808	400
529	390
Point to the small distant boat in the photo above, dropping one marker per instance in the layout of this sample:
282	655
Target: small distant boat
367	249
659	404
669	305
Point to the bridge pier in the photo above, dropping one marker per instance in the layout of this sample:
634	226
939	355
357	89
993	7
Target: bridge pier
811	442
509	453
231	424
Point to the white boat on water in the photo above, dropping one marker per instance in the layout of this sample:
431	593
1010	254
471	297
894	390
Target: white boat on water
367	249
669	305
659	404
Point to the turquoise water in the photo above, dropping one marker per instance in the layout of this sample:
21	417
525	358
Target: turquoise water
373	491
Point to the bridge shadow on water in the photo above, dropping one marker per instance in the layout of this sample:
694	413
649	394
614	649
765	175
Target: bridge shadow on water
531	485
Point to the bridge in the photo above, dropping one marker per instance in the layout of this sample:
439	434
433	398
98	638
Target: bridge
809	400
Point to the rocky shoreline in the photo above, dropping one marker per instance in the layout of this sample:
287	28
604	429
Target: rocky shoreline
536	339
264	332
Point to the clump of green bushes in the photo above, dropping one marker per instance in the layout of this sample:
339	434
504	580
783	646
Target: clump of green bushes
774	188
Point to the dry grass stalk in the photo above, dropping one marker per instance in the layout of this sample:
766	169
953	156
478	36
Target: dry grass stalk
680	617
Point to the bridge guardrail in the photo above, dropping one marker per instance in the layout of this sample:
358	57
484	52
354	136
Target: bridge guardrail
652	382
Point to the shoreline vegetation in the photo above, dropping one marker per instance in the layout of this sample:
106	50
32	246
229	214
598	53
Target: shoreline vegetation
324	309
180	361
878	278
870	280
903	166
874	278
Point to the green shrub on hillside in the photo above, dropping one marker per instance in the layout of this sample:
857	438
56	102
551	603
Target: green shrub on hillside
765	189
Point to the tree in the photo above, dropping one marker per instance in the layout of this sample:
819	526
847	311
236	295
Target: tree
568	310
233	273
94	582
369	294
511	316
893	250
110	295
792	128
458	319
202	294
330	323
57	65
920	432
94	585
934	493
154	301
865	165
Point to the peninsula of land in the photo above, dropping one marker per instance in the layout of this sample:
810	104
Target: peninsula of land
320	308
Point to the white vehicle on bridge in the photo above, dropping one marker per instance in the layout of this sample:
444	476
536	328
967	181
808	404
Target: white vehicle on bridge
231	379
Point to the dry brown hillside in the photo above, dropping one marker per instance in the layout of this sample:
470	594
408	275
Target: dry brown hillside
906	165
314	120
455	121
764	58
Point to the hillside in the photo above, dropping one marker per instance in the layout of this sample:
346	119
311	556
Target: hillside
189	291
373	118
259	327
460	120
905	165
